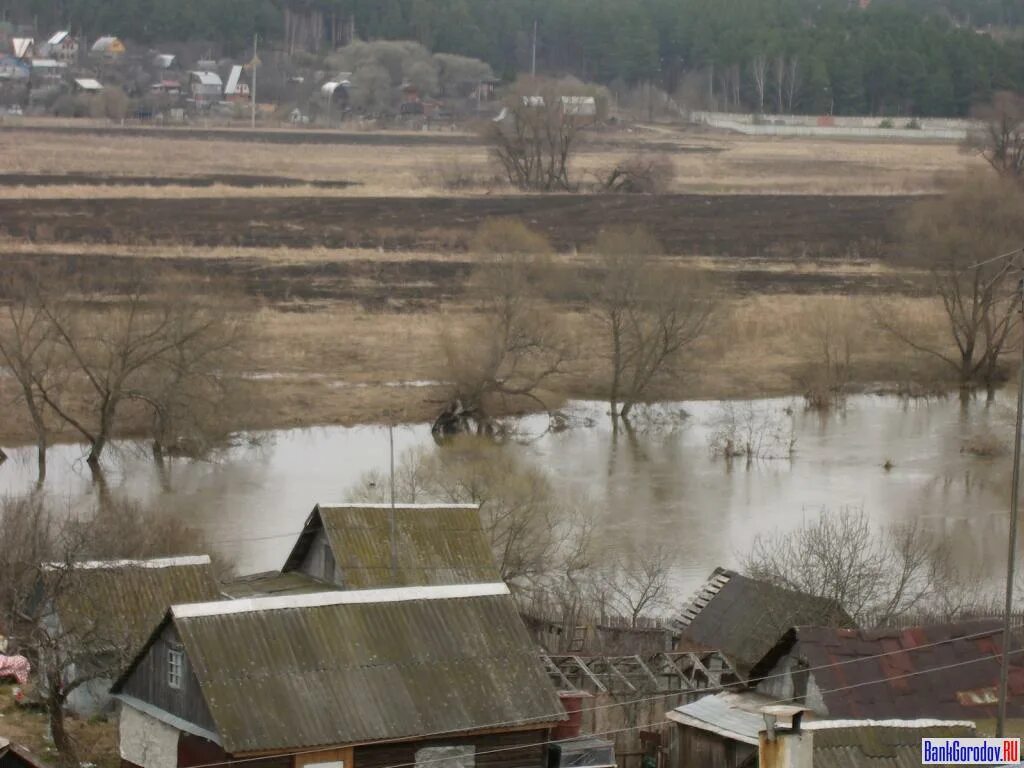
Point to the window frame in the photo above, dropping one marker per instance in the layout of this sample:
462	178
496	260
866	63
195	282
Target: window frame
175	669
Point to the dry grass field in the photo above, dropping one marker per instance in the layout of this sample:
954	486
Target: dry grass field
356	290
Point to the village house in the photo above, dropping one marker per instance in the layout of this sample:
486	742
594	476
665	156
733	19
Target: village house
100	612
730	731
744	618
108	47
358	678
16	756
369	546
62	46
206	87
847	673
235	90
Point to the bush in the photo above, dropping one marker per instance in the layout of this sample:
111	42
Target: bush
887	123
641	174
913	125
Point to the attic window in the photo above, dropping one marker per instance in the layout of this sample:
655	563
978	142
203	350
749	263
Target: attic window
175	663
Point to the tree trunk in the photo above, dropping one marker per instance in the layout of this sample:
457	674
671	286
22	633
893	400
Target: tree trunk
40	462
58	732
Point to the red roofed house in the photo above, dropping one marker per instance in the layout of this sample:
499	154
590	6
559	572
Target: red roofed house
947	671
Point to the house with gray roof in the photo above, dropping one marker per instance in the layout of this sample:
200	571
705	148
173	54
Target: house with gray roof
410	676
371	546
744	618
98	613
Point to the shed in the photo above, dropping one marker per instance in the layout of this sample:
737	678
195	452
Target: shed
62	45
718	731
205	86
106	609
366	677
744	618
87	85
350	546
16	756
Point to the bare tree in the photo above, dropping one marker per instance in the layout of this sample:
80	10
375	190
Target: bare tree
652	312
30	350
637	585
56	617
517	343
1001	139
643	173
830	338
534	138
792	81
841	556
759	71
537	536
779	73
144	348
978	220
752	432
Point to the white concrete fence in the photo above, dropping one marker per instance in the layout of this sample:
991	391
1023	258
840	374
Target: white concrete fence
910	129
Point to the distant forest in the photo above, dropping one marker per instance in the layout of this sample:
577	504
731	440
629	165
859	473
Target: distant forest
896	57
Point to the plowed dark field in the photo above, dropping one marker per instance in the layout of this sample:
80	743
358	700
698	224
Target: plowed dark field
725	225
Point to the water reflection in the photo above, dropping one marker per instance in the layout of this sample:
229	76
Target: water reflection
646	487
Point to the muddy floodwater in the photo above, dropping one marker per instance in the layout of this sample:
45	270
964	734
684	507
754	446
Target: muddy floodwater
659	485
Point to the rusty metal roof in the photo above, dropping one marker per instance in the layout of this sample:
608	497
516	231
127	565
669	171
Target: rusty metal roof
435	544
886	744
296	671
744	618
858	683
117	602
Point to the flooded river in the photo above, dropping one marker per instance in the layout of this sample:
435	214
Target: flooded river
661	485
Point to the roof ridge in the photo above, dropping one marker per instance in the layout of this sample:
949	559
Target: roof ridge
337	597
822	725
377	505
155	562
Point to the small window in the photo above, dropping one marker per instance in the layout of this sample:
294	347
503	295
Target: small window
175	663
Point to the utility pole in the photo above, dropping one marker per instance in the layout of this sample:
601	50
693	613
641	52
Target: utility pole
1004	666
254	64
533	63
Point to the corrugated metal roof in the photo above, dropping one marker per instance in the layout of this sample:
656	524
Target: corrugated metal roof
436	544
857	682
744	618
865	745
360	672
733	715
207	78
58	38
273	583
232	87
88	84
120	604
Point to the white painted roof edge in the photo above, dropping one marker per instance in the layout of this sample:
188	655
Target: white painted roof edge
678	717
156	562
356	505
821	725
337	597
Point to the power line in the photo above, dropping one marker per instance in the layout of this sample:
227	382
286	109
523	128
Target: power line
540	719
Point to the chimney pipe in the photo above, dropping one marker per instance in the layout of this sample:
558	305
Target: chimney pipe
783	744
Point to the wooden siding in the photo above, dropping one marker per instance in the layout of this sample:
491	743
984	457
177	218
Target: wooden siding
320	562
530	755
148	683
694	748
196	751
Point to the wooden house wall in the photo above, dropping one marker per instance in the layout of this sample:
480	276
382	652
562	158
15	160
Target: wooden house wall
148	683
694	748
319	562
531	753
196	751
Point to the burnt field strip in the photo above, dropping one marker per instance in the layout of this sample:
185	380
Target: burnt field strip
789	226
420	283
